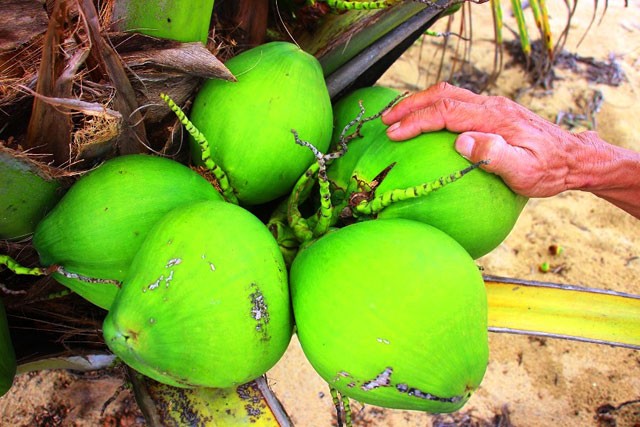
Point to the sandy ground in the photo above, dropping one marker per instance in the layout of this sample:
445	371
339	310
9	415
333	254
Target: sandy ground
529	381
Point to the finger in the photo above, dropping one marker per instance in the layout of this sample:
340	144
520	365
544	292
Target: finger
427	97
449	114
478	146
510	162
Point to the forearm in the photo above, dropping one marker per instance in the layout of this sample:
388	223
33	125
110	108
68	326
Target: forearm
609	172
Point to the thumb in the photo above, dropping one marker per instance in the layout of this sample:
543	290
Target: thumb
477	146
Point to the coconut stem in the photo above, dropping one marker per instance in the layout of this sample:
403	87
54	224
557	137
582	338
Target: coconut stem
317	225
325	213
358	122
279	226
359	5
376	204
343	408
201	140
17	268
300	226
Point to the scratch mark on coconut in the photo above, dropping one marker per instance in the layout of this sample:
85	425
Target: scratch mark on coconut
382	380
344	374
259	311
173	262
383	341
404	388
154	285
168	279
69	275
211	266
341	374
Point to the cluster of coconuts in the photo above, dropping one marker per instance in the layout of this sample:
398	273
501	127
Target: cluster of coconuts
390	310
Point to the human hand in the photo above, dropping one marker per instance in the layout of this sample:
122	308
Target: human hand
534	157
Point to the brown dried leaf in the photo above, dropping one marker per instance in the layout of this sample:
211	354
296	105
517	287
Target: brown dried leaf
141	51
49	130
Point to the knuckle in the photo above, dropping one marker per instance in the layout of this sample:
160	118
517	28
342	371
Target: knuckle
446	105
490	150
500	101
443	86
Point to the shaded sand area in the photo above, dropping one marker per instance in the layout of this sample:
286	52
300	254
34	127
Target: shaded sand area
529	381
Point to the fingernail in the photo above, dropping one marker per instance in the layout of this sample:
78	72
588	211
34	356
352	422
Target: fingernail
393	127
464	145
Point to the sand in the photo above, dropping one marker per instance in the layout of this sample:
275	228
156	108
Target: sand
529	381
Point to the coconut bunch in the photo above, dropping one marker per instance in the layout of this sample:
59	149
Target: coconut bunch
404	277
180	258
225	258
281	213
90	240
178	261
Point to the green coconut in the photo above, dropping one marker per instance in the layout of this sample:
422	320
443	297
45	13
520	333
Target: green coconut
478	210
7	355
248	123
206	302
27	193
392	313
97	227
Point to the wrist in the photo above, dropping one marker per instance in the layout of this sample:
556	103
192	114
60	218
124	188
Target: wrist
602	168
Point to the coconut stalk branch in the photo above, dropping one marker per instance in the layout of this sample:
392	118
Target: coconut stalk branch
222	178
371	204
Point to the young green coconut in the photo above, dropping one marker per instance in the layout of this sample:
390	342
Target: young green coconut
206	301
7	355
410	179
248	123
392	313
27	193
92	234
478	210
